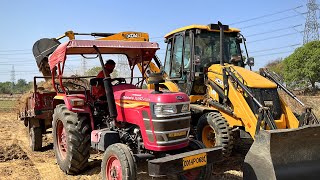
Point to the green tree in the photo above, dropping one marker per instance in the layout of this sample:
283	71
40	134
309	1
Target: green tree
302	68
95	71
276	66
5	87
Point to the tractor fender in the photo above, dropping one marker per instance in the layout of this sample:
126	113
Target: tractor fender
66	99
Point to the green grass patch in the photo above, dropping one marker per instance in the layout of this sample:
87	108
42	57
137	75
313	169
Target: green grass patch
7	104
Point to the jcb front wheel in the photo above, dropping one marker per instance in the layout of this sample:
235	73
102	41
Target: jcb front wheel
118	163
213	130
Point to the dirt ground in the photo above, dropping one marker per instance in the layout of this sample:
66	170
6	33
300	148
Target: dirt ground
17	161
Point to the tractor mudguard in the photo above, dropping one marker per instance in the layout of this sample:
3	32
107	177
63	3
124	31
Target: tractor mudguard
284	154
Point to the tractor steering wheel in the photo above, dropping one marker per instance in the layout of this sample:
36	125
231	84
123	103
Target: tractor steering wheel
119	81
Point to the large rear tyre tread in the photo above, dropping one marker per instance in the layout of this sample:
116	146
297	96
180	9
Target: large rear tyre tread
123	153
223	133
77	129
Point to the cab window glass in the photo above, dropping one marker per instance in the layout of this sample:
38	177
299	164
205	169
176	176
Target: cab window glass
168	58
187	55
177	57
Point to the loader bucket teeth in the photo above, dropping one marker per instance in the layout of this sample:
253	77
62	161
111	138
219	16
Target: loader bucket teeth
284	154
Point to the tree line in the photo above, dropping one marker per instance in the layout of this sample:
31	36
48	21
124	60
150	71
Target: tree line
301	69
20	87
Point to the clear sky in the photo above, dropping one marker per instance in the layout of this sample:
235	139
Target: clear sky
24	22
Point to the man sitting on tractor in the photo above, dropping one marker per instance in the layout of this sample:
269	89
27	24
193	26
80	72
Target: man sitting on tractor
109	67
98	91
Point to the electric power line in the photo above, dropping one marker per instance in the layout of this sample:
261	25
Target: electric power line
6	54
272	31
268	22
263	50
273	53
273	37
15	50
259	17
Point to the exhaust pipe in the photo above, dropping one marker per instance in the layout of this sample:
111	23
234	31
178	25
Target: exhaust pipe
221	42
108	88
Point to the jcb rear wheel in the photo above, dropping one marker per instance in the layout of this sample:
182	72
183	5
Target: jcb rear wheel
213	130
71	139
118	163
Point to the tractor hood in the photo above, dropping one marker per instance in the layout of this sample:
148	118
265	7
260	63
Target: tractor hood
142	95
251	79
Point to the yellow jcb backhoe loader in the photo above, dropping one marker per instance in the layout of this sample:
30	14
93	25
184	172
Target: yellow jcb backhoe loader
205	61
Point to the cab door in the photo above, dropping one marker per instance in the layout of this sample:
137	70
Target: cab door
178	62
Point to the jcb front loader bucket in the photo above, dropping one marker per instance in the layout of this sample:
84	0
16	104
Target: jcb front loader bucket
284	154
41	51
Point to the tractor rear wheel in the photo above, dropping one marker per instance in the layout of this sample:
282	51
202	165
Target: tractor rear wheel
71	139
213	130
199	173
118	163
35	138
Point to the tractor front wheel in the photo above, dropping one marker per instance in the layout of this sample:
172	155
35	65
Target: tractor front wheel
118	163
213	130
71	139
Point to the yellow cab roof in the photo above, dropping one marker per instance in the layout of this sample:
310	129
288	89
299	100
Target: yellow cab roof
195	26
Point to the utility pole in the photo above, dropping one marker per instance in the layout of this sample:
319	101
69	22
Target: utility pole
311	31
123	66
13	77
84	66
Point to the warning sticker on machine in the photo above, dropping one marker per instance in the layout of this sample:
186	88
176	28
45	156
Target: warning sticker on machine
191	162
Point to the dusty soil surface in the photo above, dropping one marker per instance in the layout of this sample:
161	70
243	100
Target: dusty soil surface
17	161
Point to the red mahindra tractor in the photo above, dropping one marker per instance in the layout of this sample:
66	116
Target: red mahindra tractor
129	123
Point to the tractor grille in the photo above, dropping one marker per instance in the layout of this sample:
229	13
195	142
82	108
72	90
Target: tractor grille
268	98
169	130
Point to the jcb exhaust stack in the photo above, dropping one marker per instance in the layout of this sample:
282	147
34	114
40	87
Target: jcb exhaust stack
284	154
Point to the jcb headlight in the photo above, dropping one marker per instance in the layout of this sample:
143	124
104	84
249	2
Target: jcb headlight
164	110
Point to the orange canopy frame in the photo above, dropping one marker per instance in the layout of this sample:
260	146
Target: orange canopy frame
135	51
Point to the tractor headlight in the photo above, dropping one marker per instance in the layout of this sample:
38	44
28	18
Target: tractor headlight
164	109
185	108
77	102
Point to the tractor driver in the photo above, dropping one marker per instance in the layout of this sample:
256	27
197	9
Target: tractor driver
109	67
99	91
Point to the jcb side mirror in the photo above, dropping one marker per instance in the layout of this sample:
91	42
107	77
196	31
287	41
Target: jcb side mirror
250	61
